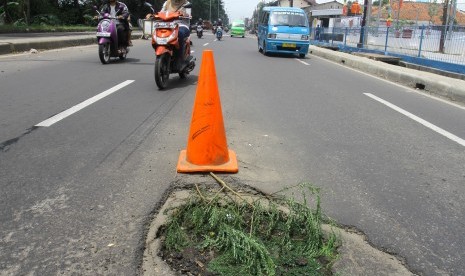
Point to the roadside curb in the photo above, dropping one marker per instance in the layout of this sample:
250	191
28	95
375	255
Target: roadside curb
442	86
51	43
9	48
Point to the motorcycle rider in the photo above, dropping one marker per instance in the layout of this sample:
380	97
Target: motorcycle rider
219	24
214	27
200	23
184	32
119	10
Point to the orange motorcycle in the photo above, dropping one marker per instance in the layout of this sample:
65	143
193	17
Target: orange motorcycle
165	42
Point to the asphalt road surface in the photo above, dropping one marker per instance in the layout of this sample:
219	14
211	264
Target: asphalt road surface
78	193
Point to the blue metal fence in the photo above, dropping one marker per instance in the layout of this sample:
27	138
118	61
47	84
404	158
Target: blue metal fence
435	46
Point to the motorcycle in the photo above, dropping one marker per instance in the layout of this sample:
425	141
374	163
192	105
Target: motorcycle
219	32
199	31
107	38
165	43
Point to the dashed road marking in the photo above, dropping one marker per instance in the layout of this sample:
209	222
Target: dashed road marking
419	120
303	62
60	116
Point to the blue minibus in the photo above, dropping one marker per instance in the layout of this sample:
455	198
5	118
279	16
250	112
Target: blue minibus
283	30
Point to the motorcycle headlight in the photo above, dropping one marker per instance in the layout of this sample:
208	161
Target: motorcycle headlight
105	24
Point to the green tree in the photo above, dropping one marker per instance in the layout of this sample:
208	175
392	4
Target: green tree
433	8
73	12
6	10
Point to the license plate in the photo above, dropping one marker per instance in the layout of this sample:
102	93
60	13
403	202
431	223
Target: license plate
289	45
162	41
103	34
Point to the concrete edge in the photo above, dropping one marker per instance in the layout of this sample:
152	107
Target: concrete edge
6	48
49	44
449	88
10	48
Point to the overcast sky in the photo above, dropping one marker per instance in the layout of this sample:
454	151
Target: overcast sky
240	9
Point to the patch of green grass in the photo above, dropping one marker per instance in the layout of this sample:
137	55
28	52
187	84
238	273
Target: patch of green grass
44	28
254	236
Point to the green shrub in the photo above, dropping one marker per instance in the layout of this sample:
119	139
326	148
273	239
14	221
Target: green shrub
277	237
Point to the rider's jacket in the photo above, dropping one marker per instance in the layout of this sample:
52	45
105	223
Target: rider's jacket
120	8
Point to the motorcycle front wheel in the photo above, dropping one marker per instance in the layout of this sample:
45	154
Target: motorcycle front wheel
162	72
104	53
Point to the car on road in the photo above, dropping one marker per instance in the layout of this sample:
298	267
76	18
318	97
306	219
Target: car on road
283	30
238	28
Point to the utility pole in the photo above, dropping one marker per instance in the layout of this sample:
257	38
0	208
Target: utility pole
451	16
210	11
445	16
362	30
28	12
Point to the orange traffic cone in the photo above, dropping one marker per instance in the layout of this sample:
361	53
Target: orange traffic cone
207	150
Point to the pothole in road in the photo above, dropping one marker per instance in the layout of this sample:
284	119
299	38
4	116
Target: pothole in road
219	228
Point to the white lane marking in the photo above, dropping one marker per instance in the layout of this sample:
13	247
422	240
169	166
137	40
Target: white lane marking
205	44
60	116
397	84
419	120
303	62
